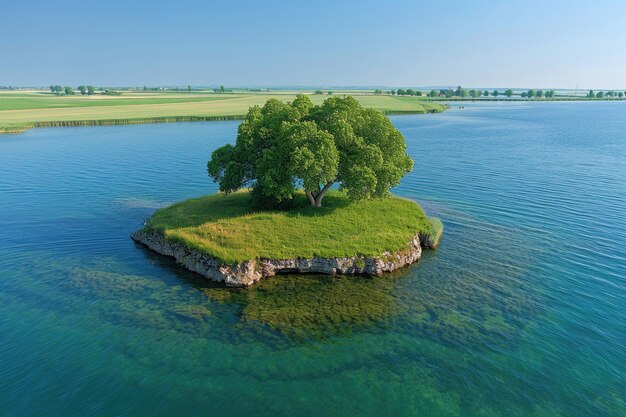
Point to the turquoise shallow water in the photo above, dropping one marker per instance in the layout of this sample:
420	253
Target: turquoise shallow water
520	312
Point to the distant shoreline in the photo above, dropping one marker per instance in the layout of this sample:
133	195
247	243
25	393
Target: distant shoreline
521	100
112	122
165	119
22	111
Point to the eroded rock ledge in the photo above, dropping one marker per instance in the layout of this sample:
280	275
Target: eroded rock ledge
248	272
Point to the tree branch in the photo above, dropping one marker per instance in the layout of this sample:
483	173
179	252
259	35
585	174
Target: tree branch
320	195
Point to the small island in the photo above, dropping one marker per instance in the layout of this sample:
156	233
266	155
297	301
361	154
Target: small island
225	238
305	189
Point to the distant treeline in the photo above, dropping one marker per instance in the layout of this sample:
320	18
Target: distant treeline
84	90
400	92
461	92
90	90
449	93
69	91
601	94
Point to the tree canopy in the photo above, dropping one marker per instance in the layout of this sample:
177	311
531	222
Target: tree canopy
282	147
56	89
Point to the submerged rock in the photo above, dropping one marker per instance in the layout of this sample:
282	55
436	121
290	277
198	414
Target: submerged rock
248	272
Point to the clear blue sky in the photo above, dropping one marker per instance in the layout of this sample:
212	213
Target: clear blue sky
560	44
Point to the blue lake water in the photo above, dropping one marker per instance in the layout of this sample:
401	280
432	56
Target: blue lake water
520	312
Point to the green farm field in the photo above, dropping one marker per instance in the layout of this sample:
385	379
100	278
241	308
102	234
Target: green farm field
23	110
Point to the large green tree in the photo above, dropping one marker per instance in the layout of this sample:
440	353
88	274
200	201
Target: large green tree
282	147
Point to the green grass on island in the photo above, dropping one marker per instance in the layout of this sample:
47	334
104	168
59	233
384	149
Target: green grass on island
20	111
229	228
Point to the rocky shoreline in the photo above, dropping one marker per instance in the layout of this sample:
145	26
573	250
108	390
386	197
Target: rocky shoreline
246	273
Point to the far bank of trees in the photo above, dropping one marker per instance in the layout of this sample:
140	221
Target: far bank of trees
446	93
607	94
538	93
532	93
399	92
461	92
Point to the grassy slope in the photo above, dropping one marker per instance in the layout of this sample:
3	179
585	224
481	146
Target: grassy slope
228	228
22	111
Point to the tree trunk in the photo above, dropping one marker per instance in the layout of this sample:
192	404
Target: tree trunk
316	200
310	197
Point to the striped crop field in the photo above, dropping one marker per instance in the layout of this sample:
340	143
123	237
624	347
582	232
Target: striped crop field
23	110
